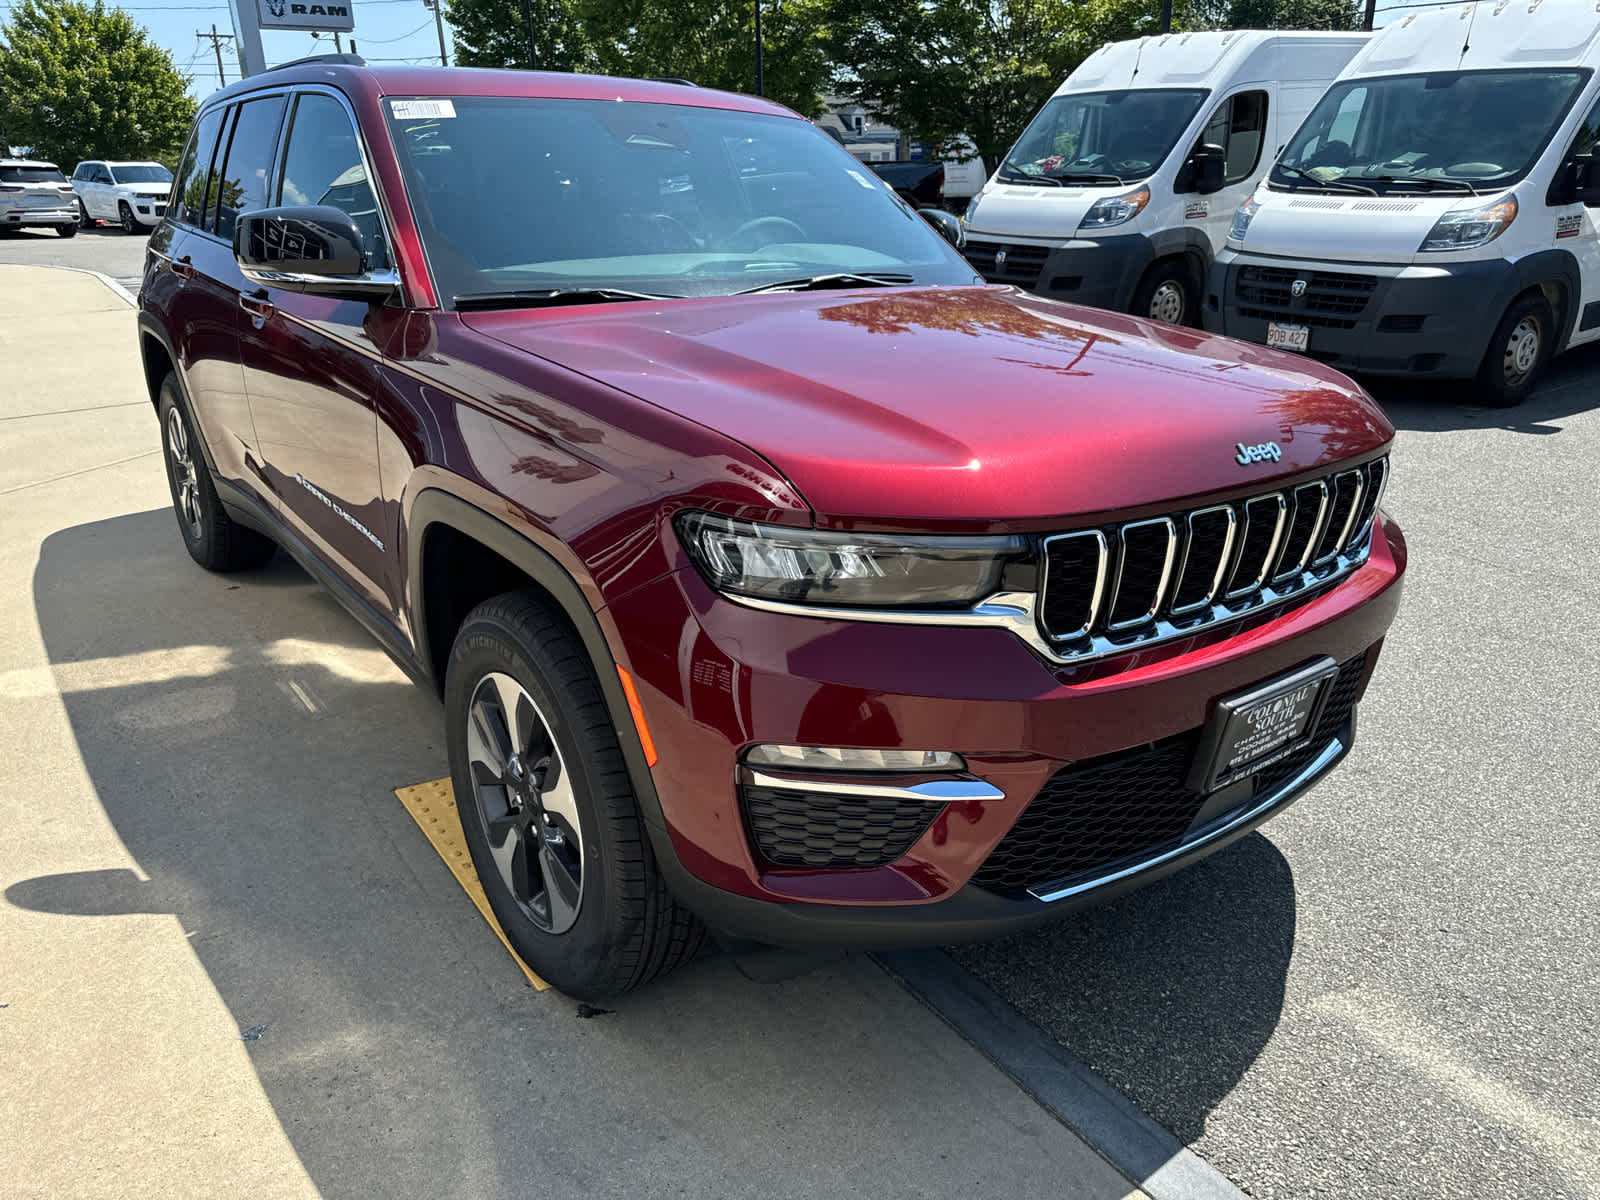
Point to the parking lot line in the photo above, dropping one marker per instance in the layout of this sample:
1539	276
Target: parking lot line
432	806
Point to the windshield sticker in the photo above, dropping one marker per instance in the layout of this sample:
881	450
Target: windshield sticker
1195	210
1569	226
420	110
861	179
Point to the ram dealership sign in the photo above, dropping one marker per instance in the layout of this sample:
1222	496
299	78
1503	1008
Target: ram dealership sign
326	16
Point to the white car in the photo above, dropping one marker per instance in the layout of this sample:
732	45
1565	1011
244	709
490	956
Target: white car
132	194
35	194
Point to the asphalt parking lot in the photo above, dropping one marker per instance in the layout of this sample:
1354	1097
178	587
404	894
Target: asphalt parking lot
1390	992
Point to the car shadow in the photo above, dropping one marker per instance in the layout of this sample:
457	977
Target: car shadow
1170	993
244	738
1438	406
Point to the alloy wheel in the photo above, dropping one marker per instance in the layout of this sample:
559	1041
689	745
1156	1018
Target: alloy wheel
184	474
1522	350
524	798
1167	303
128	225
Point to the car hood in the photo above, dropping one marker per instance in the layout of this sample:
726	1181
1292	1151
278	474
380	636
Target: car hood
963	405
153	190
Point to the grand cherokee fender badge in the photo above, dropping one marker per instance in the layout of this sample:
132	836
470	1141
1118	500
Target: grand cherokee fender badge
1260	452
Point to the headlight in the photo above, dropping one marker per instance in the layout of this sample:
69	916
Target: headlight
862	570
972	207
1468	227
1242	216
1114	210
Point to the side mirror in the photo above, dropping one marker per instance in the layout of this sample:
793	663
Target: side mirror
1209	168
1586	179
316	249
947	226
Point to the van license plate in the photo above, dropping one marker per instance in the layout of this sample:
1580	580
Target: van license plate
1252	730
1288	337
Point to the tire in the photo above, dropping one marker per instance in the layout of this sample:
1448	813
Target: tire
67	230
125	214
1517	354
214	539
85	221
1168	293
589	911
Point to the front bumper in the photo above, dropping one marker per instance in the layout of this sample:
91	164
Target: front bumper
1430	321
30	218
1099	272
715	677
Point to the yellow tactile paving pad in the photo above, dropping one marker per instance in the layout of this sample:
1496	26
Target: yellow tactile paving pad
433	807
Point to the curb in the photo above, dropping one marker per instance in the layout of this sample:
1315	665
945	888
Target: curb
1102	1116
123	293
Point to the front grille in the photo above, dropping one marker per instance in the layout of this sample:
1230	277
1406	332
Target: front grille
1005	263
1331	292
811	829
1111	588
1296	318
1110	812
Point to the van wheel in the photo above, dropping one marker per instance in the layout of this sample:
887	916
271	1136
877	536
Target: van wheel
1167	293
1517	353
213	538
548	810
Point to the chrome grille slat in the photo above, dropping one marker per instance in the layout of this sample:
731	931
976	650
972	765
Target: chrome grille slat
1301	540
1145	572
1276	509
1054	606
1194	563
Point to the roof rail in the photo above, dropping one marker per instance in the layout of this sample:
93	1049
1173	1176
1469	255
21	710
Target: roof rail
323	60
673	79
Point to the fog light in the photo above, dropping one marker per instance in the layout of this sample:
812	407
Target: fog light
828	758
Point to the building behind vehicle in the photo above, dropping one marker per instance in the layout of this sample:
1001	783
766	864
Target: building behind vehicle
1435	215
1121	189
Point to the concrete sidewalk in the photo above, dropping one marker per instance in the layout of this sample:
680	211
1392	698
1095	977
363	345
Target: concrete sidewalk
202	846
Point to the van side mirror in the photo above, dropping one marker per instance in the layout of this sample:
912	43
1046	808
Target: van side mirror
1585	175
314	248
1208	167
947	226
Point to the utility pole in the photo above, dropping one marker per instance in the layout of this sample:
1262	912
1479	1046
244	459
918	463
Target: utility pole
533	49
216	40
438	23
1166	15
337	47
1369	11
760	88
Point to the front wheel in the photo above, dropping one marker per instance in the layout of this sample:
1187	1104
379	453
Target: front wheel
1167	293
214	539
548	810
1517	353
125	214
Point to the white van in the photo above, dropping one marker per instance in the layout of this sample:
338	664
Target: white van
1121	189
1435	216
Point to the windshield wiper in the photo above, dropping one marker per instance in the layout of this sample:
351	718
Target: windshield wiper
1330	184
548	298
1088	177
1036	180
1426	183
839	279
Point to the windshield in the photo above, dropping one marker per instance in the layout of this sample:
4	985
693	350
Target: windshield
1418	133
31	175
141	173
1104	137
667	200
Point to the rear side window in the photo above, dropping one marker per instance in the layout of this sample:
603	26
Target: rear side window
31	175
82	172
322	165
193	169
1239	126
246	175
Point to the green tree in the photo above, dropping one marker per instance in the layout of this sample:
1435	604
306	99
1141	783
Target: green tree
78	81
494	33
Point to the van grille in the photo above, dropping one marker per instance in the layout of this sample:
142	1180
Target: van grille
1019	265
1332	293
1158	578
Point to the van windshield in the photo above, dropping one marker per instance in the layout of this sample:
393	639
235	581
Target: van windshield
1460	131
1101	137
568	198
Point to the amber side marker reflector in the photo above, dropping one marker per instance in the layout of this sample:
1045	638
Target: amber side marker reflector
433	807
645	739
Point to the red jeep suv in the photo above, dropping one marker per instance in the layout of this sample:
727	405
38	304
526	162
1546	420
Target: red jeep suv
778	575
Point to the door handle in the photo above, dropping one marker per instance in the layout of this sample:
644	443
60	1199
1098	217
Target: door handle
258	307
183	268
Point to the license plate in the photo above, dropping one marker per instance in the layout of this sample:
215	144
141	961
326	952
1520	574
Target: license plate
1288	337
1252	730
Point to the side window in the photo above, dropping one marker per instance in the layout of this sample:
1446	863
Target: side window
1587	139
1239	126
81	173
104	175
247	170
323	165
196	164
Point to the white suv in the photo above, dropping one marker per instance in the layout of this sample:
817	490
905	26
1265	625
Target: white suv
133	194
35	194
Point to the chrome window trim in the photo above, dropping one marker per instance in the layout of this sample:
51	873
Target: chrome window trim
1099	576
931	791
1161	585
1222	564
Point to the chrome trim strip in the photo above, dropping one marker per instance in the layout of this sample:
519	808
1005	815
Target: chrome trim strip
1321	488
933	791
1271	555
1161	585
1222	563
1050	892
1343	539
1096	600
372	282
